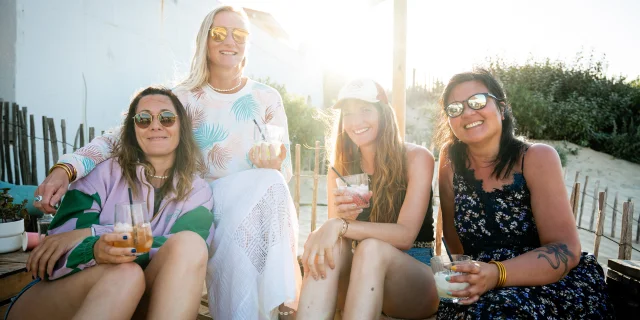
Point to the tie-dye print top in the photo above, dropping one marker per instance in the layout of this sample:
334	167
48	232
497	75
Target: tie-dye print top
223	126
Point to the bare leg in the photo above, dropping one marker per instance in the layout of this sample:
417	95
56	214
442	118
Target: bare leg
385	278
89	294
318	298
174	278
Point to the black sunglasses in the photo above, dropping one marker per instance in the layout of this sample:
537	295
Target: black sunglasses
475	102
143	119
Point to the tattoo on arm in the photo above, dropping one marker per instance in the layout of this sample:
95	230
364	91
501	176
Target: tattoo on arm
556	254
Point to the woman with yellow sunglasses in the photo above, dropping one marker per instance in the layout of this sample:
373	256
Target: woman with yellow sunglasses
252	269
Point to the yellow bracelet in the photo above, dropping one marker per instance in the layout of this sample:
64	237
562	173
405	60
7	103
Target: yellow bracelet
502	277
71	174
345	227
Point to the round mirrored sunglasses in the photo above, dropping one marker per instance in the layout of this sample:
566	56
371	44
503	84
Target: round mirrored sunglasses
144	119
475	102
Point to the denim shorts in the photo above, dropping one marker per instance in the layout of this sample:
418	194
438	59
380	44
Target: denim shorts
421	254
14	299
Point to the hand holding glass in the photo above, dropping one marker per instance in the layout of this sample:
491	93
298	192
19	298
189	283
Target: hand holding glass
441	267
357	187
133	219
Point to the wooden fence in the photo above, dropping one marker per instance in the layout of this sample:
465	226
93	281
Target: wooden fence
18	148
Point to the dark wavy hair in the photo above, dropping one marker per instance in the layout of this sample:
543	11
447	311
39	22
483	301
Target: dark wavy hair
188	161
510	147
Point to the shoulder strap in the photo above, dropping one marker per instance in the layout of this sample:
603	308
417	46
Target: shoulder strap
523	154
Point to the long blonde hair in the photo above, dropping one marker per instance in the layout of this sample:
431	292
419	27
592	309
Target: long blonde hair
199	73
389	183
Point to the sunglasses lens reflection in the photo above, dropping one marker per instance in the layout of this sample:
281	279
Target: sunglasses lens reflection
477	102
454	109
218	34
143	120
167	118
240	36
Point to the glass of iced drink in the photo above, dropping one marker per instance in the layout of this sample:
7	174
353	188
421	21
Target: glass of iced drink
133	218
357	187
441	267
267	136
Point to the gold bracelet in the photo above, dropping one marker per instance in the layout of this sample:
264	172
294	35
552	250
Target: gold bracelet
502	277
71	174
345	227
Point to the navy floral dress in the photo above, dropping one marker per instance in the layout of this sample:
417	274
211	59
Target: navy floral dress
499	225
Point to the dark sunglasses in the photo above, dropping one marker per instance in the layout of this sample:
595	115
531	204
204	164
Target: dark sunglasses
218	34
475	102
144	119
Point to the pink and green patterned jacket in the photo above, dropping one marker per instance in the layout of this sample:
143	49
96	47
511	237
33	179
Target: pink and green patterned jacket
91	201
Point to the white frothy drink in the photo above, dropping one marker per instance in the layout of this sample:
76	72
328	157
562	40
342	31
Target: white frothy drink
267	145
122	227
442	285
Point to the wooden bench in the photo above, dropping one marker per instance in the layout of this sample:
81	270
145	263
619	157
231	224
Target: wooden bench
13	277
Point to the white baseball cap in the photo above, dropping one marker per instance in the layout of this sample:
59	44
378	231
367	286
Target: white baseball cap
362	89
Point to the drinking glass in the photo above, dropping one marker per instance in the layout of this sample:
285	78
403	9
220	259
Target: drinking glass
269	135
441	266
357	187
133	218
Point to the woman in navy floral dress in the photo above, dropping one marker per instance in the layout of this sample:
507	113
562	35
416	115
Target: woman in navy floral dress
504	201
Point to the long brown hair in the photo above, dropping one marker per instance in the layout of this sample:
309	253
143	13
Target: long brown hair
389	182
188	161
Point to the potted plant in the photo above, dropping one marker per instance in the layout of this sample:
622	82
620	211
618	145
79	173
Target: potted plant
12	218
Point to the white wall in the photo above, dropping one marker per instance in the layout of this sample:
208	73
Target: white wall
7	49
83	59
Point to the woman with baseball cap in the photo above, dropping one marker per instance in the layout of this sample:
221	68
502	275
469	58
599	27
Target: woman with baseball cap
393	239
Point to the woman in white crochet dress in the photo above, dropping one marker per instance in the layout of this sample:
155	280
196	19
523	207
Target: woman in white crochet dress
252	271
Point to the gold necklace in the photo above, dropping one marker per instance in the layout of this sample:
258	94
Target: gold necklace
159	177
225	90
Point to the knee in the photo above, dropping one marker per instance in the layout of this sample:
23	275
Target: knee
187	246
371	251
129	273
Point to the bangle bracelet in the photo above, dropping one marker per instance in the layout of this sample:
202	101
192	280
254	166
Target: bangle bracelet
69	170
502	276
286	313
345	227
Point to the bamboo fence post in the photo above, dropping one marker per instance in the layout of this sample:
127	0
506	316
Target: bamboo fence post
81	135
2	139
624	251
576	196
595	205
54	140
34	162
26	144
7	137
613	216
314	203
572	197
25	147
576	179
14	138
600	227
92	133
22	148
63	127
45	137
584	196
296	196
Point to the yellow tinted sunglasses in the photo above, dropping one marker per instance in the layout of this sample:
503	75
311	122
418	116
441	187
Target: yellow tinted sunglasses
218	34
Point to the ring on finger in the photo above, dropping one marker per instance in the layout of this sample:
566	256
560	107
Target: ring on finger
37	198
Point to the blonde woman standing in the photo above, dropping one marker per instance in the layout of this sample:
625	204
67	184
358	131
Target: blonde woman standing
252	271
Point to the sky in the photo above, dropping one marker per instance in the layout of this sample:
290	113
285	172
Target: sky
355	37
